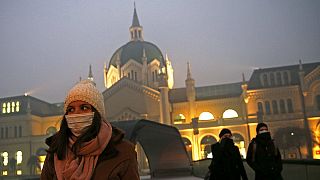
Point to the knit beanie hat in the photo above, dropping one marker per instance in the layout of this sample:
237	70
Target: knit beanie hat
260	125
86	91
224	131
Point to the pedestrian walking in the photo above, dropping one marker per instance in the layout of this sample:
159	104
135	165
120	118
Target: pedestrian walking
263	156
226	161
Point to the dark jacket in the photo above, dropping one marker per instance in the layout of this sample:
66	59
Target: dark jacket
117	161
226	163
265	159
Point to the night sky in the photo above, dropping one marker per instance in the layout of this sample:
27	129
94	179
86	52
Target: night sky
46	46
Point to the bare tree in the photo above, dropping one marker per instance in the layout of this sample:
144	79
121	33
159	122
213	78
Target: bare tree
290	137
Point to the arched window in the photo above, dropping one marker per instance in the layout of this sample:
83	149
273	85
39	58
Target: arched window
290	106
239	141
285	78
188	145
17	106
13	106
260	107
19	157
205	145
5	158
275	107
267	106
4	108
282	106
279	80
318	101
230	113
15	131
265	80
272	79
206	116
179	119
8	107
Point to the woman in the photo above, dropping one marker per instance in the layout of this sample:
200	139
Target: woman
87	146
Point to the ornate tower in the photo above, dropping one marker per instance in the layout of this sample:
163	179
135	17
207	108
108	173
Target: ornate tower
164	99
191	92
136	29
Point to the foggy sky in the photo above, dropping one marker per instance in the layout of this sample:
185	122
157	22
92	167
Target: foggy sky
45	46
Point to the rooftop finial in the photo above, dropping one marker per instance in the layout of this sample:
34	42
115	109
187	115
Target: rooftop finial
300	65
90	76
189	71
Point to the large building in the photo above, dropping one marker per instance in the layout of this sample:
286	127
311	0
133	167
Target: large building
139	85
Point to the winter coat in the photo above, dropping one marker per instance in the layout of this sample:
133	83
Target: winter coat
226	163
265	159
117	161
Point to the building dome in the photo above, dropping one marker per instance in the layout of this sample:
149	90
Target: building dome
134	50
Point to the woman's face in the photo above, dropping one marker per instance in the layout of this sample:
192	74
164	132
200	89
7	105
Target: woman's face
79	107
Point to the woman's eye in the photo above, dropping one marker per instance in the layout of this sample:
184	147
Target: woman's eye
70	109
85	107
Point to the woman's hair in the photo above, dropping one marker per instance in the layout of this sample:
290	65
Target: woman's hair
60	140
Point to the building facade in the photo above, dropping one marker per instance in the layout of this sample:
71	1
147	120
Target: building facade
139	85
25	122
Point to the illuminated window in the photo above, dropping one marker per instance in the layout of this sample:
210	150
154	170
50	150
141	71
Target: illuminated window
4	108
12	106
8	107
239	141
41	161
206	116
230	113
5	157
205	146
19	157
179	119
19	172
5	173
17	106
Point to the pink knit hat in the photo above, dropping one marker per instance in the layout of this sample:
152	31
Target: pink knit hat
86	91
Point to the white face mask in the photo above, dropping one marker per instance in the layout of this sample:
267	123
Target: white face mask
263	131
78	122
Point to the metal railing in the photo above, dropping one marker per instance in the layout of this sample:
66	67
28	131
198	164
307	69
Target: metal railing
292	169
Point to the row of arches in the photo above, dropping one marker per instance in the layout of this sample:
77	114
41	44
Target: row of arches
206	142
205	116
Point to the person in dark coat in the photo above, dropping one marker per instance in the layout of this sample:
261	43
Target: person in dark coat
87	146
263	156
226	160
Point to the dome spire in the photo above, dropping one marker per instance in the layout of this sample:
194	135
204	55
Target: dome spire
135	29
135	20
